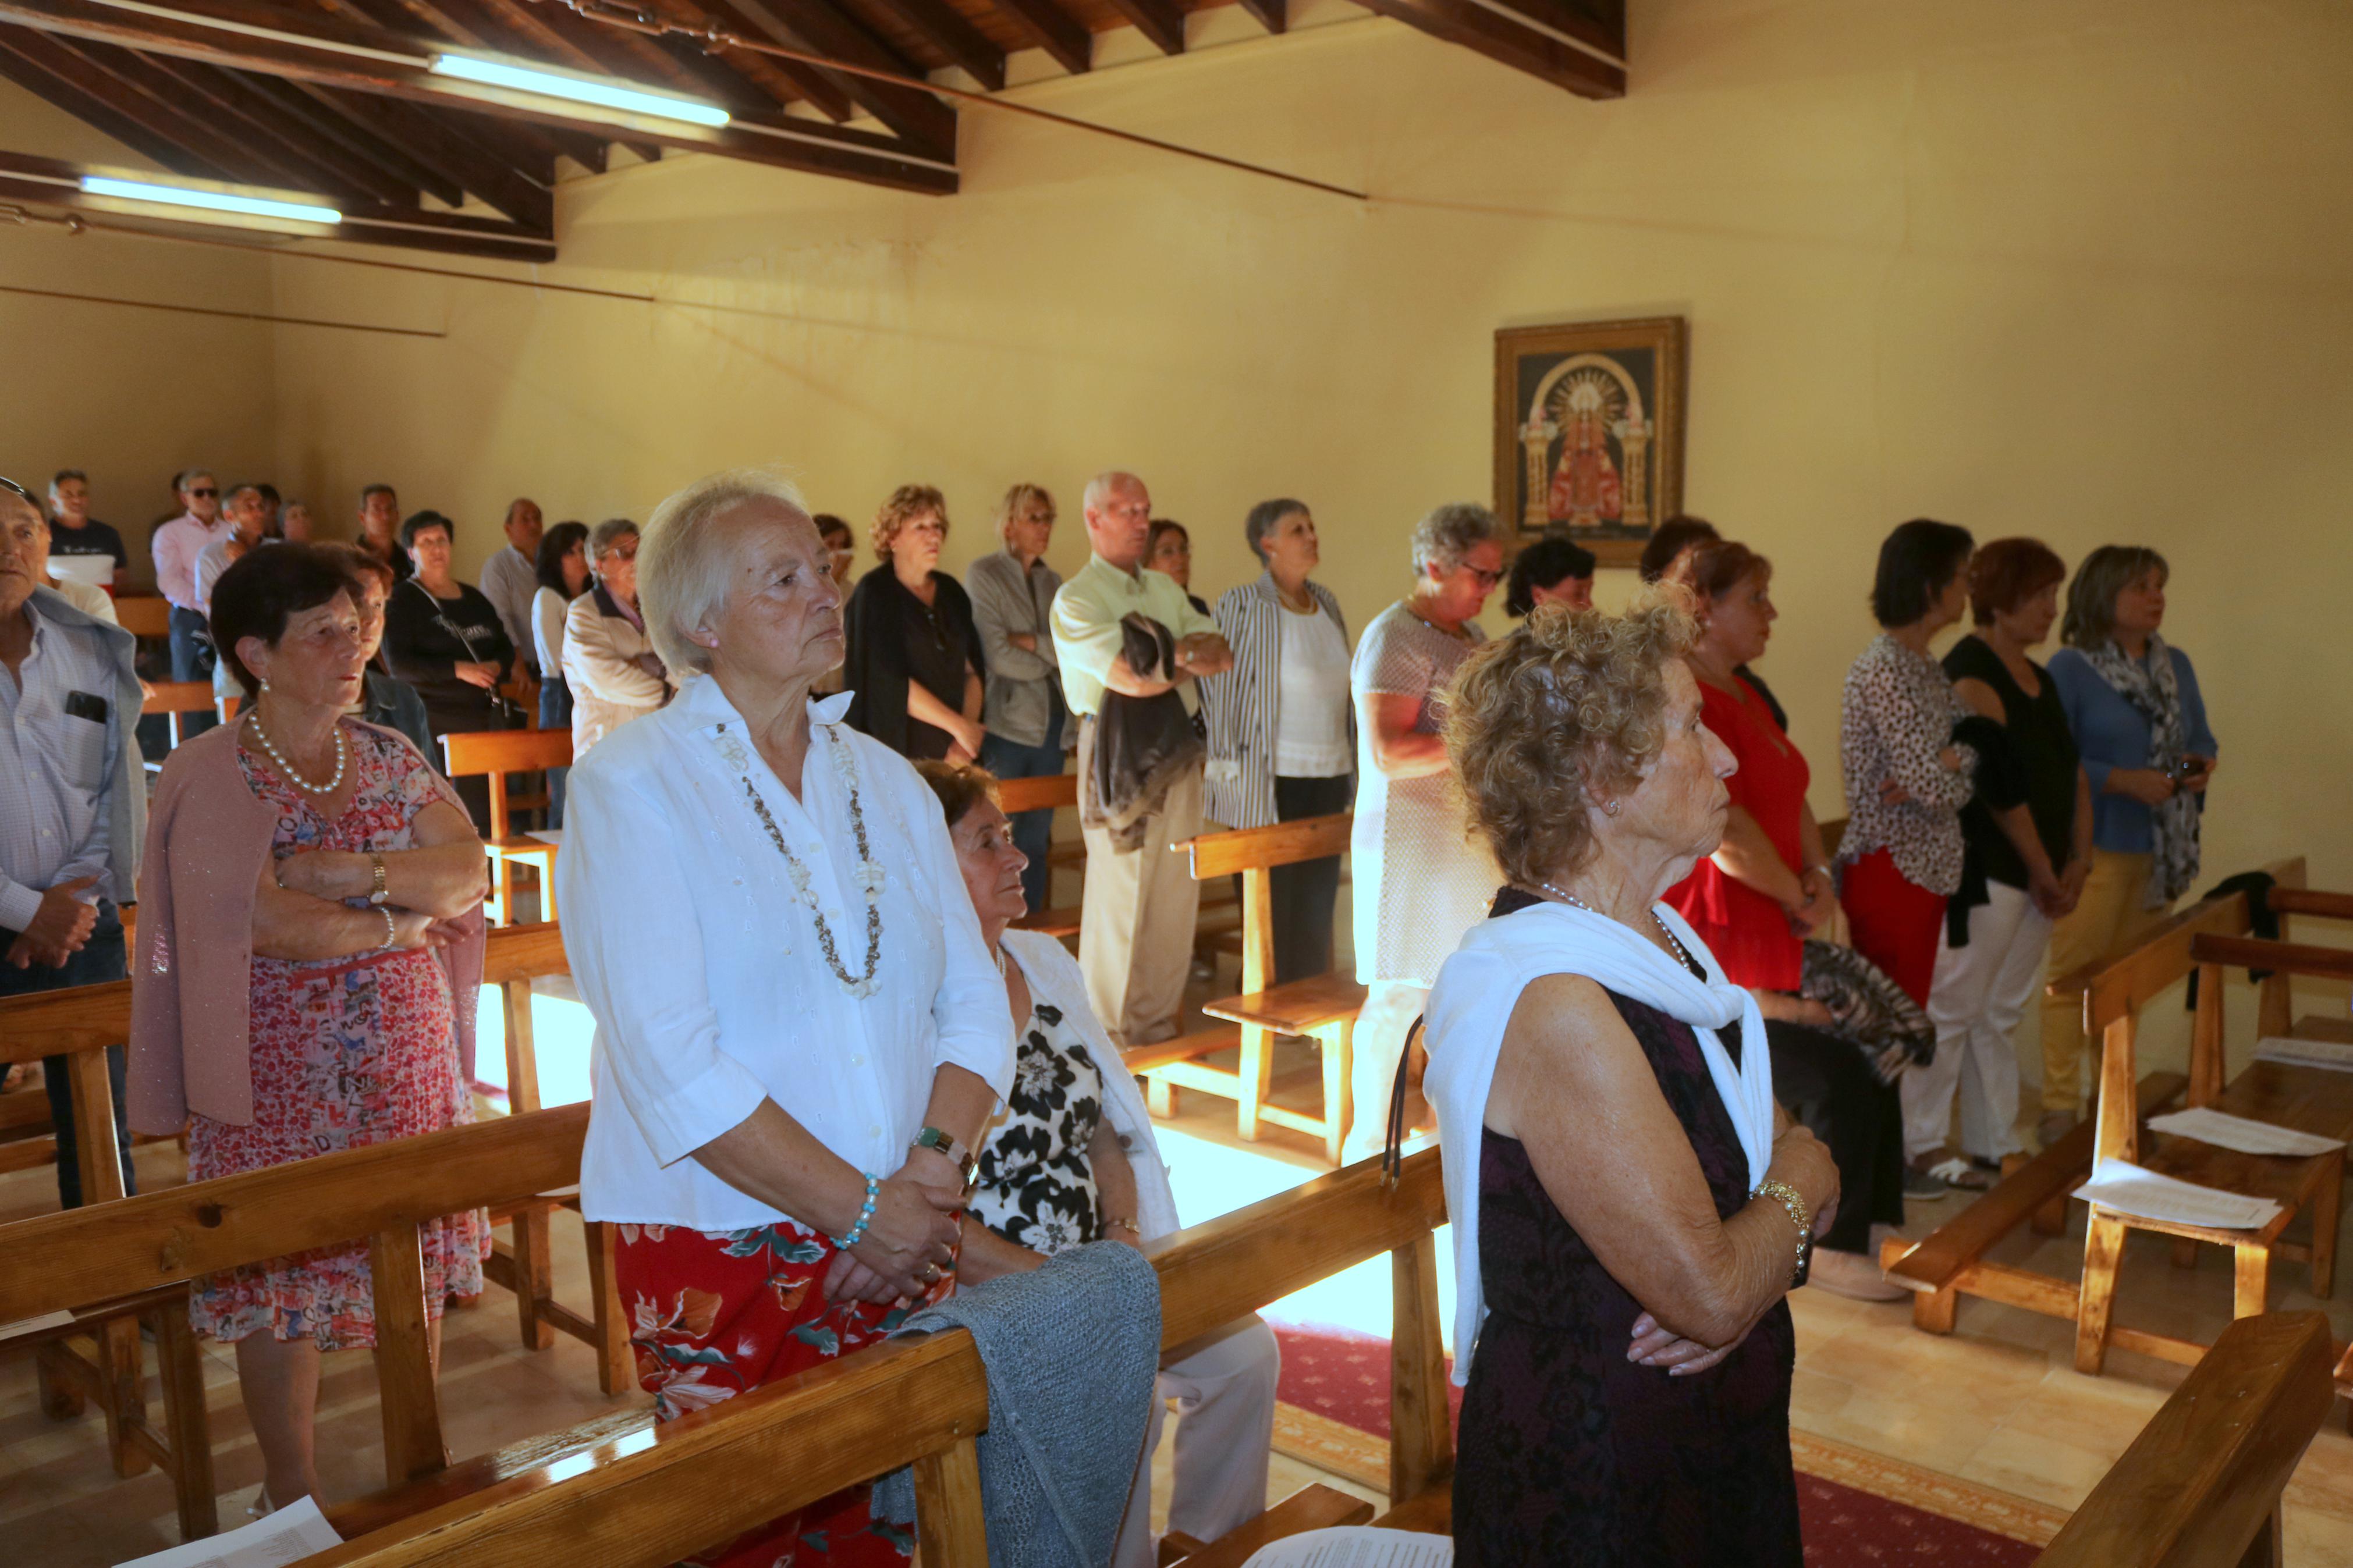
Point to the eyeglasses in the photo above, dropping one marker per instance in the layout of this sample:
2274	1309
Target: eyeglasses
204	490
1484	579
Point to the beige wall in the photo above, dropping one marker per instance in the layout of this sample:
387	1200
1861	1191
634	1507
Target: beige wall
132	396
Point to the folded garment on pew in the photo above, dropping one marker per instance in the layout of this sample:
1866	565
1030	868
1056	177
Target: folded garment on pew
1073	1351
2128	1189
2305	1053
289	1535
2246	1135
1354	1546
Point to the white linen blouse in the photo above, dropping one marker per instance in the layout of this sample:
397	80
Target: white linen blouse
703	968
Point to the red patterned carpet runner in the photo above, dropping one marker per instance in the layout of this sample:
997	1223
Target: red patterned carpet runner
1860	1509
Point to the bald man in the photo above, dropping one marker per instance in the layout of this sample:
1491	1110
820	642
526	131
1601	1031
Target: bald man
1136	928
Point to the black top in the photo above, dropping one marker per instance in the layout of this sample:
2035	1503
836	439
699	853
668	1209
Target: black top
423	636
894	637
92	538
2038	771
1572	1455
403	568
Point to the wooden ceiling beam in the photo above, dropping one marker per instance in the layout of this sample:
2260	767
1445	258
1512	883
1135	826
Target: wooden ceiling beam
206	126
159	118
821	91
467	24
1274	15
247	36
1501	31
53	182
945	29
100	114
1158	20
816	25
334	171
1058	31
322	122
530	201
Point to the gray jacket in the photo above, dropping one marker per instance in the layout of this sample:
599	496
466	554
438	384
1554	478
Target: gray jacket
1023	687
126	826
1065	1429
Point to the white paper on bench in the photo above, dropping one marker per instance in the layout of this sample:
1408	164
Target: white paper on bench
34	1325
1354	1546
2305	1053
2244	1133
2127	1188
290	1535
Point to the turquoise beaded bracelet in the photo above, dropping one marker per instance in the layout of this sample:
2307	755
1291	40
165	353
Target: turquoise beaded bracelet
858	1232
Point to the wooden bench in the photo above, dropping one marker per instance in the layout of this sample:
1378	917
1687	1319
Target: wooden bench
1951	1261
1047	792
493	754
613	1482
1323	1007
177	699
145	615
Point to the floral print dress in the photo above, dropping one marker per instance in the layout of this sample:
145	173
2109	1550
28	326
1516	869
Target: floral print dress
1035	1185
346	1052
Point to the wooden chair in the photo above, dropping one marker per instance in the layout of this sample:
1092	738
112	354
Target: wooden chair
1952	1260
146	616
178	699
2202	1483
1048	792
495	754
1322	1008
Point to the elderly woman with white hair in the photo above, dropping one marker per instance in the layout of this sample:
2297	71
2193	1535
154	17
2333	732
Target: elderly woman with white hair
1420	880
799	1032
608	662
1631	1206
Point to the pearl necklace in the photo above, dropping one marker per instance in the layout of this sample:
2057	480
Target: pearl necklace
286	768
1564	896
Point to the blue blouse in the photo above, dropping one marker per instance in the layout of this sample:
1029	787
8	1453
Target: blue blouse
2111	734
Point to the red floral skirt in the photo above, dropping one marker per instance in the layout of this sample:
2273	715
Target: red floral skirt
715	1315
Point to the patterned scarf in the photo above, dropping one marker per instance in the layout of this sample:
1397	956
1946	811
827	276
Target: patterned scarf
2150	687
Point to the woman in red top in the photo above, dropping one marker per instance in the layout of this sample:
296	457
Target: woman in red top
1763	891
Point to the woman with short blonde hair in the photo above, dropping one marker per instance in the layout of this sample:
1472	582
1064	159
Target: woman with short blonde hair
1605	1101
738	858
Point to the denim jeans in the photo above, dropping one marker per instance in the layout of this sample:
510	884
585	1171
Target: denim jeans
101	959
192	659
555	713
1033	831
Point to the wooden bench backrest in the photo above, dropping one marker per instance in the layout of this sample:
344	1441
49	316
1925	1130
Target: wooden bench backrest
143	615
495	754
657	1495
1250	853
1040	793
2202	1483
178	699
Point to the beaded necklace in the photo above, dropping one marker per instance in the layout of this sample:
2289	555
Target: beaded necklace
868	877
1566	897
286	768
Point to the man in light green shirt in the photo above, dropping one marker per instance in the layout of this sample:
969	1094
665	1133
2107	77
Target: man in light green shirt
1136	926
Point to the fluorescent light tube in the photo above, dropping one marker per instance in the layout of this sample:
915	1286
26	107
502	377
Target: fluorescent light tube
215	201
578	88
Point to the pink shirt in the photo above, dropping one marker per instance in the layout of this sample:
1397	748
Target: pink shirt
176	545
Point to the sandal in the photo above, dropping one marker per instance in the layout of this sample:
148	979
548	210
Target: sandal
1956	1172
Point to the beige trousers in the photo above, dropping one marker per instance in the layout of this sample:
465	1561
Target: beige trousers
1136	927
2104	921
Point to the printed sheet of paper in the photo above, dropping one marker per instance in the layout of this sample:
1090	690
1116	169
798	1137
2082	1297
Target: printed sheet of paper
2249	1137
2305	1053
290	1535
34	1325
2128	1189
1355	1546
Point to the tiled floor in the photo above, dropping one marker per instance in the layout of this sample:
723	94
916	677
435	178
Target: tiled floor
1998	1403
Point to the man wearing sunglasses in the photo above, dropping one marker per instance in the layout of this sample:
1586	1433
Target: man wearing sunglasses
176	544
73	806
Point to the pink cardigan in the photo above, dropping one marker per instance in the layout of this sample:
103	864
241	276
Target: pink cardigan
190	978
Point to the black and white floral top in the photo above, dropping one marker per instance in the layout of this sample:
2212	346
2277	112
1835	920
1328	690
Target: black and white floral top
1897	713
1036	1186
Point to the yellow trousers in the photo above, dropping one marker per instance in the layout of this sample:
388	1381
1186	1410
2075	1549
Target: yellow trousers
2104	921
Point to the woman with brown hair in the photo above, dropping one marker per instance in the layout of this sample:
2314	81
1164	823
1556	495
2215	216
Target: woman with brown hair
914	665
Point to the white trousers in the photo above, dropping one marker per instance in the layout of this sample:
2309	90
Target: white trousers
1223	1384
1979	993
1373	1049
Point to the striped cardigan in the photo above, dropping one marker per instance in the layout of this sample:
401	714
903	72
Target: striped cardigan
1238	707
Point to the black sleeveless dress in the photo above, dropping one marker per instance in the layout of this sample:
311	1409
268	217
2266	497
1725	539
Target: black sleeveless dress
1569	1455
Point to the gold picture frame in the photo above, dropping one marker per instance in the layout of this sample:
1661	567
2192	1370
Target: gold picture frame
1590	431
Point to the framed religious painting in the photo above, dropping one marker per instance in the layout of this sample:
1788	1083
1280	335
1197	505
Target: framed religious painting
1590	431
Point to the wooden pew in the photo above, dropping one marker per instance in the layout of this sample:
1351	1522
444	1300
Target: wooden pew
2202	1483
144	616
628	1496
1323	1007
1951	1261
495	754
178	699
1048	792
